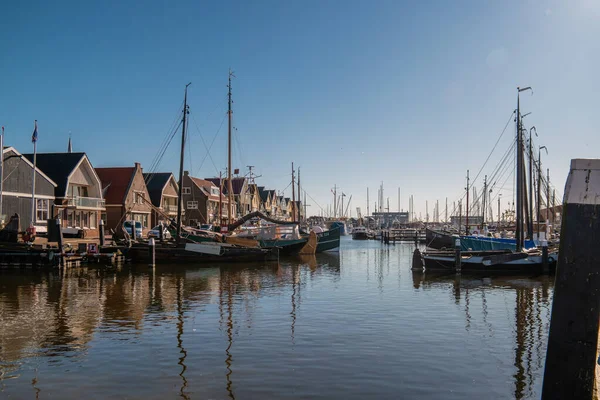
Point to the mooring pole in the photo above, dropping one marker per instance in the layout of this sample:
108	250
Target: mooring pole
457	256
101	228
152	253
573	338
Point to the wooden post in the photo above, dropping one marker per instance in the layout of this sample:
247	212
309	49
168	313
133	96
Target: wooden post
102	233
161	233
60	242
457	256
573	338
151	253
544	244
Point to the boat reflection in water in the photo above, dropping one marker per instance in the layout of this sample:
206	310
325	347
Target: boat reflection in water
353	324
531	310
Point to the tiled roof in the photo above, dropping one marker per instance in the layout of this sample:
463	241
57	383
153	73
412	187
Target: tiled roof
237	184
206	185
155	183
115	182
58	167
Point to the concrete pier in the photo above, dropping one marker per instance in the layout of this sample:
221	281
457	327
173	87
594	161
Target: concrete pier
573	339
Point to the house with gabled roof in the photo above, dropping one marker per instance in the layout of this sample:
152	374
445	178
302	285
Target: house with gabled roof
201	199
16	191
241	194
126	196
163	190
78	193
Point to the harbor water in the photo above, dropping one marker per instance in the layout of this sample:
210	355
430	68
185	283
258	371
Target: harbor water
356	324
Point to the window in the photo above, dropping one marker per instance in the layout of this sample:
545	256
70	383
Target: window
78	219
70	218
192	205
81	191
138	197
42	210
214	191
187	190
85	219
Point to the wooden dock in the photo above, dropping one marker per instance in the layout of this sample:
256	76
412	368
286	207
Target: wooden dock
403	235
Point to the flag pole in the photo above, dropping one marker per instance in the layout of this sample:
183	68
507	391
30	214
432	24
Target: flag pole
34	140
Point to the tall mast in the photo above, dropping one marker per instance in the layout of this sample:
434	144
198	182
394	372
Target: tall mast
180	189
334	201
467	223
229	185
520	184
484	194
530	219
367	201
299	207
547	197
293	196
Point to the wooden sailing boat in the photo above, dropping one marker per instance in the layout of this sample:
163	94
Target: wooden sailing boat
502	261
186	248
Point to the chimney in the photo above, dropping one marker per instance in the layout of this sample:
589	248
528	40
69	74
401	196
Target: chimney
138	165
186	173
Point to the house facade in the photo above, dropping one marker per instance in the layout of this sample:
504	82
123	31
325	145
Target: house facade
201	199
16	191
241	195
78	193
163	190
126	196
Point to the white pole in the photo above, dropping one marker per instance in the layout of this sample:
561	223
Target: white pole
34	140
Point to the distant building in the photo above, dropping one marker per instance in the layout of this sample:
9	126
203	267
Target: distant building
389	218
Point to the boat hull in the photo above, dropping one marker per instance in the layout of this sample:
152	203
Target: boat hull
360	236
179	254
497	262
286	247
328	240
438	240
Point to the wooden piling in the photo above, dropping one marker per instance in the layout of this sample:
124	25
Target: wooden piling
573	338
152	253
457	256
102	233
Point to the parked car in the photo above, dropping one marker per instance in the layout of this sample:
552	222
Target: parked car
155	232
138	228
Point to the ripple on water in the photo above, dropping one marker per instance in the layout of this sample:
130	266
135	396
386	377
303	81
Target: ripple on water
353	325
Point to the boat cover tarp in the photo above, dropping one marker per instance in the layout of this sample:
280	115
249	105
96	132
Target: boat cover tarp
477	243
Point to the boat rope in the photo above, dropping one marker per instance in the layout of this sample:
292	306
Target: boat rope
211	144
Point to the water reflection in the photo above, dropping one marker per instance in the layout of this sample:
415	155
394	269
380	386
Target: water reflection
532	308
263	331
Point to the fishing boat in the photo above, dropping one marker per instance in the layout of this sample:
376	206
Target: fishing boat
505	260
201	246
327	240
195	253
439	239
360	233
489	261
444	240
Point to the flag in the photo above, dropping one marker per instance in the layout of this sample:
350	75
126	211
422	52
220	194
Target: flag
34	135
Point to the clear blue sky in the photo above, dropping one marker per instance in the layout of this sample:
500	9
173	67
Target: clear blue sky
355	92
